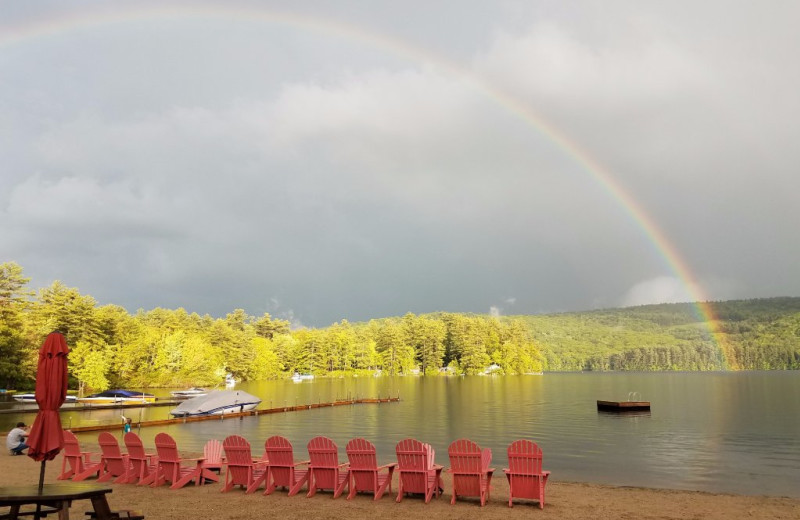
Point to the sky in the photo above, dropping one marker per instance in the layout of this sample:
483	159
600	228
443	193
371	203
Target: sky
322	161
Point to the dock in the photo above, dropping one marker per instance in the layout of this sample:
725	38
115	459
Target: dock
91	407
228	416
623	406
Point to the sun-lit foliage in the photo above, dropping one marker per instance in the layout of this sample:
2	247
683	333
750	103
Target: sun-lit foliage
162	347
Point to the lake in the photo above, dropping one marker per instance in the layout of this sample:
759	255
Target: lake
720	432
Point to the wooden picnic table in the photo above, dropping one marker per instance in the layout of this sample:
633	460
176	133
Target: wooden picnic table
53	498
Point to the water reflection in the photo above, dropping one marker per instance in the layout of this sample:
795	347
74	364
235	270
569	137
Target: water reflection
701	430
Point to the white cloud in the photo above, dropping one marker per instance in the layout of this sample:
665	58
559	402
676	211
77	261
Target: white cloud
662	289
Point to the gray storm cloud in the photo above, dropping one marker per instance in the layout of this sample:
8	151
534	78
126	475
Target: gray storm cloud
222	161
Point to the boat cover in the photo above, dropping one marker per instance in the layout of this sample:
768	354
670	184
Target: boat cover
215	401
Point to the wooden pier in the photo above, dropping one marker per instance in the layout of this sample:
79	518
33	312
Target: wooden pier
91	407
228	416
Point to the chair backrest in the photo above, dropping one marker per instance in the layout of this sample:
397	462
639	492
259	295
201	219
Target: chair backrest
466	457
280	454
141	464
412	455
524	458
72	447
279	451
109	446
166	448
134	446
361	454
237	451
323	453
212	452
112	456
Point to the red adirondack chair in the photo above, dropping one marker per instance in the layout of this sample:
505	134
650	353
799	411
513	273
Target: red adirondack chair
283	470
144	466
525	476
365	474
418	473
77	464
469	465
325	472
171	466
242	470
113	462
212	453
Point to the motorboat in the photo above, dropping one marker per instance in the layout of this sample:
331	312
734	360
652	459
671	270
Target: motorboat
230	382
31	398
118	396
189	392
217	402
297	377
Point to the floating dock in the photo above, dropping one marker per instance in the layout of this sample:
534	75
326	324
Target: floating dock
623	406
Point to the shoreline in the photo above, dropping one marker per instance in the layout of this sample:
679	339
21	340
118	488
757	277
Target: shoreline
564	500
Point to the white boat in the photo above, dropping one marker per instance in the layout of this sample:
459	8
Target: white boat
297	377
230	382
189	392
217	402
31	398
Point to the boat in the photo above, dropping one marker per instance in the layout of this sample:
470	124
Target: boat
217	402
118	396
623	406
297	377
31	398
230	382
189	392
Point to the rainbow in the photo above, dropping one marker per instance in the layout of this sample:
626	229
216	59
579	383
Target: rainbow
115	14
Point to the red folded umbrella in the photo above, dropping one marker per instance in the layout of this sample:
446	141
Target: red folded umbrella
46	438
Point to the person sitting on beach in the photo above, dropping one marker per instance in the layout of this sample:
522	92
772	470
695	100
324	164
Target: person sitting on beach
126	428
15	442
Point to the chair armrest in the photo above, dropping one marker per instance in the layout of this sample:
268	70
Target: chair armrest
391	465
302	462
261	463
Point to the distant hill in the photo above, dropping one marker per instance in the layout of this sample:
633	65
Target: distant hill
758	334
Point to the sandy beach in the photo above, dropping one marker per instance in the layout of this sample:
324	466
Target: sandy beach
564	501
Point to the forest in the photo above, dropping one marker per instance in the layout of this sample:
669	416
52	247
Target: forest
167	348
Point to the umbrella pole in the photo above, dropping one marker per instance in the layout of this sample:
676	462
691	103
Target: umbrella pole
41	476
38	514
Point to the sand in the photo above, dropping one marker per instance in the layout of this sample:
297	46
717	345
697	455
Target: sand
564	500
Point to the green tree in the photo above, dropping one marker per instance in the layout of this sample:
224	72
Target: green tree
426	336
89	366
13	301
396	355
268	327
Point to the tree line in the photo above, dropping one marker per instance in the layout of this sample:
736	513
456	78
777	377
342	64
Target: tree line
161	347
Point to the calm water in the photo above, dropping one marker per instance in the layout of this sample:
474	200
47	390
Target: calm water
721	432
